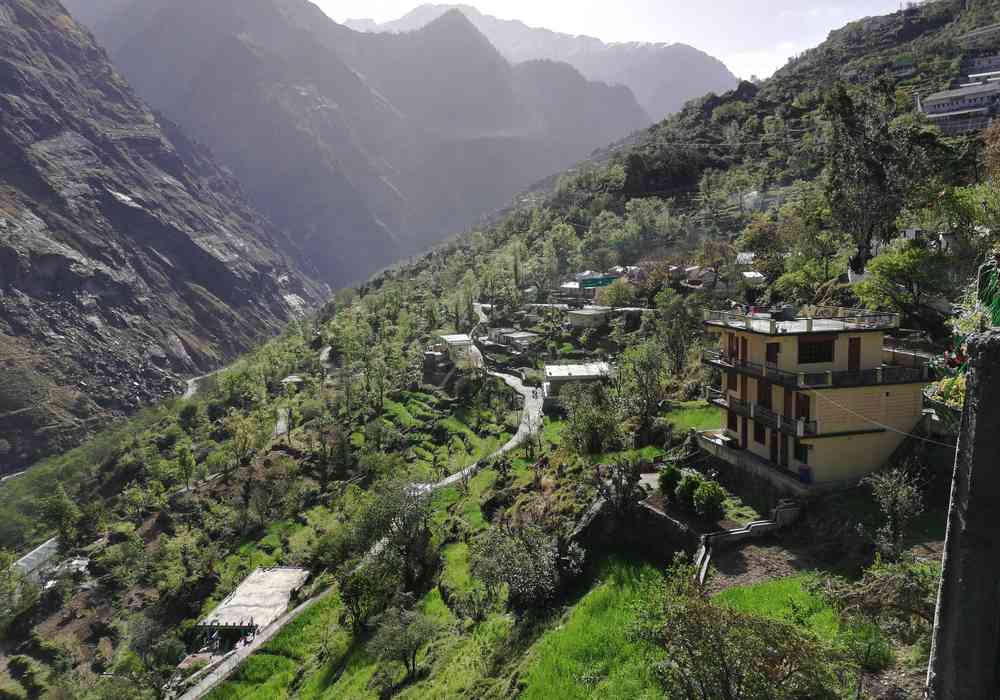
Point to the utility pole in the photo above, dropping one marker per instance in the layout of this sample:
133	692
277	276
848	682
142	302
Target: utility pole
966	640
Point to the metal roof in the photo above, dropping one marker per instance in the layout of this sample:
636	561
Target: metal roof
984	89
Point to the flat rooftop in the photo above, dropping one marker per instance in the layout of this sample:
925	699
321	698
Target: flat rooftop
590	370
261	598
972	90
456	339
819	319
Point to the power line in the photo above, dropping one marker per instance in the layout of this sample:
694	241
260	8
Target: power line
882	425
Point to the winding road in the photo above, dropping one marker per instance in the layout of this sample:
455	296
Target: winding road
530	419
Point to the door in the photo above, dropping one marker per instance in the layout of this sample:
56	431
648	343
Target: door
764	393
854	355
744	429
743	387
772	354
744	352
784	451
802	406
774	446
789	404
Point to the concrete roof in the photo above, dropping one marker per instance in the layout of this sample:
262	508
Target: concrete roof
262	597
591	370
456	338
590	312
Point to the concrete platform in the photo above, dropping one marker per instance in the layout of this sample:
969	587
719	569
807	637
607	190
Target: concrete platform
262	598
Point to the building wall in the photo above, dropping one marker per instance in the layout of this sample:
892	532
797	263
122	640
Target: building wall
788	353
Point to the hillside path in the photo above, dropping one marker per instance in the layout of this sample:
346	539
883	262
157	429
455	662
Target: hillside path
530	420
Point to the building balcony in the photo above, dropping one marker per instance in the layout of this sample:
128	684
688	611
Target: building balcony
813	319
886	374
795	427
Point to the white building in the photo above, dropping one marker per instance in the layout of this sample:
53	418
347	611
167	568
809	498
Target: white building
559	376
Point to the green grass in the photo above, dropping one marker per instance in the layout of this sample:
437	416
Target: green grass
775	599
590	655
699	415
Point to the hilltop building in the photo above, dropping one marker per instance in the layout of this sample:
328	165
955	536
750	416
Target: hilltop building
811	397
970	107
558	377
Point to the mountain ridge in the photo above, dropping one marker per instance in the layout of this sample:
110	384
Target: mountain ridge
663	76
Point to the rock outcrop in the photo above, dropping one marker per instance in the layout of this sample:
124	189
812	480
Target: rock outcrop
128	257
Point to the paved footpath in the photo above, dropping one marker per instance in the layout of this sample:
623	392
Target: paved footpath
530	419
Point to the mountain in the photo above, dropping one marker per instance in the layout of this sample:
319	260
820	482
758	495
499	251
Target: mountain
127	255
662	76
364	147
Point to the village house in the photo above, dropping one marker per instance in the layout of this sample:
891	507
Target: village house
588	318
557	377
970	107
513	338
811	396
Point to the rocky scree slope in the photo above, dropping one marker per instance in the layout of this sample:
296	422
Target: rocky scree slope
127	255
365	147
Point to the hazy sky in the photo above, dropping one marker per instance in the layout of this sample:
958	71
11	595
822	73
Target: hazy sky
751	37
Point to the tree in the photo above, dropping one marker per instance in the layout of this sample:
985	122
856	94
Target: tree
17	594
900	499
678	325
246	437
365	587
399	515
618	484
62	513
522	559
591	425
400	636
618	294
904	277
640	383
186	464
873	163
761	237
707	651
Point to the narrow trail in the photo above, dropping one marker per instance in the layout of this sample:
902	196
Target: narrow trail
530	419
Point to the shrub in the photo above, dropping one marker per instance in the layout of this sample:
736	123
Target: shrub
708	499
670	476
685	490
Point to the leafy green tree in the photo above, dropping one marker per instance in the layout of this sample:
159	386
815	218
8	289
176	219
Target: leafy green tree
62	513
618	294
400	636
761	237
873	163
17	594
186	463
640	383
899	495
678	325
905	277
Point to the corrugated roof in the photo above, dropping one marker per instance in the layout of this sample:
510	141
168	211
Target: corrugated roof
985	89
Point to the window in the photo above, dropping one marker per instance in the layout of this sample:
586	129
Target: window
731	382
731	421
772	353
764	393
759	434
815	351
801	452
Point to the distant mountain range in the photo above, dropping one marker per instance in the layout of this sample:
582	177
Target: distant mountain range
128	256
662	76
364	147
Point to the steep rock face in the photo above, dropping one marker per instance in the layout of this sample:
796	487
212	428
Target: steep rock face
364	147
662	76
127	256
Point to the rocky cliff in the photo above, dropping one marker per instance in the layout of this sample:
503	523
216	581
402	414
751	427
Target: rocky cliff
128	257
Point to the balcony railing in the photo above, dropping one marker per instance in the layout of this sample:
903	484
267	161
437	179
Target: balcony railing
812	319
796	427
886	374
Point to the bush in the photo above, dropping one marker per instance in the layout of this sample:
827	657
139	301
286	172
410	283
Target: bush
686	489
670	476
708	499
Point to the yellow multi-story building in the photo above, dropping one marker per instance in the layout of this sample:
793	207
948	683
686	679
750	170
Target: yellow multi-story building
815	395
